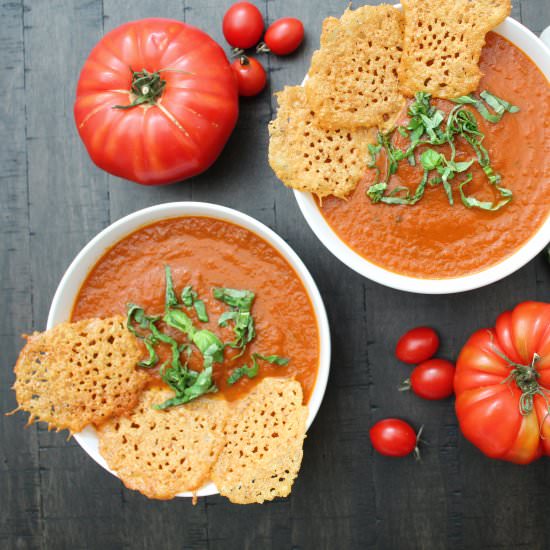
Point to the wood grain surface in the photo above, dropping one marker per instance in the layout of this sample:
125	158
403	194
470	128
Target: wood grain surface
53	200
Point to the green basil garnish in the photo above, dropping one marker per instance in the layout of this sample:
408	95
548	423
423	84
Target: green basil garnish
186	383
427	126
200	308
252	371
170	299
240	302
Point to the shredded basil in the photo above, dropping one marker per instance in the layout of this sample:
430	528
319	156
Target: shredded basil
189	298
427	126
171	299
200	308
240	302
186	383
253	370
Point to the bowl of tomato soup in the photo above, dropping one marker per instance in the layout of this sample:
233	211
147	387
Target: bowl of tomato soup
432	247
206	246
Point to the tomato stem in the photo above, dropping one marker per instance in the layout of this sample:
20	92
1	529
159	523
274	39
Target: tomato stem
146	88
526	378
262	48
405	385
418	440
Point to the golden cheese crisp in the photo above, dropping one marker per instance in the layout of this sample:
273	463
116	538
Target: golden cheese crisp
163	453
353	77
79	373
442	44
309	158
264	439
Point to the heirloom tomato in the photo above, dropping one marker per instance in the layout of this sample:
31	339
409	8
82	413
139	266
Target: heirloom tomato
502	385
156	101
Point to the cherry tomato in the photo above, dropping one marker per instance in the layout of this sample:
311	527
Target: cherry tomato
417	345
251	77
243	25
284	36
393	437
433	379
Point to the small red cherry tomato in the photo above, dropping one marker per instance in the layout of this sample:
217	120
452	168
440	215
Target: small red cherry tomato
417	345
393	437
251	77
284	36
433	379
243	25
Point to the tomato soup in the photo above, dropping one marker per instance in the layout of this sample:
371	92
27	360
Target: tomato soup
432	239
206	253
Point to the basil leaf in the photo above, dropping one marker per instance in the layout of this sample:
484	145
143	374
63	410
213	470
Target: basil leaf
500	106
408	200
240	299
241	303
227	316
179	320
376	192
237	374
471	201
431	159
252	371
153	357
273	359
188	296
136	316
200	308
462	166
201	385
209	344
170	299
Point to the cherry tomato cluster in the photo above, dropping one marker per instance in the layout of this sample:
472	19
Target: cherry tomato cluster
431	379
243	26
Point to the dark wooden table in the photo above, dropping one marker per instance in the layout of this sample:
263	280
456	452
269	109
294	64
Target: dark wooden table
53	200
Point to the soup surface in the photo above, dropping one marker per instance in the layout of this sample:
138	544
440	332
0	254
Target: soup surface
206	253
435	240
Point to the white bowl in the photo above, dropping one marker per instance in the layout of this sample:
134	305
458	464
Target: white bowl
539	52
73	278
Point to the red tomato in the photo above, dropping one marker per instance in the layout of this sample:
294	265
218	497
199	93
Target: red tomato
417	345
251	77
187	95
393	437
243	25
284	36
433	379
502	385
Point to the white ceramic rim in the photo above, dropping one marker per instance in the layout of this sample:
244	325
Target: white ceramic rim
539	53
75	274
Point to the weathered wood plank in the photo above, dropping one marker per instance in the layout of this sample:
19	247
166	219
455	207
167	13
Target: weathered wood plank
535	14
20	520
346	496
68	205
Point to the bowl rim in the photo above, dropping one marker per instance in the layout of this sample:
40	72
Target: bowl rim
79	268
539	53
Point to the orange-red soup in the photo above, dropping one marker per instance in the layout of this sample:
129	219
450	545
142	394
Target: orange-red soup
434	240
206	253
